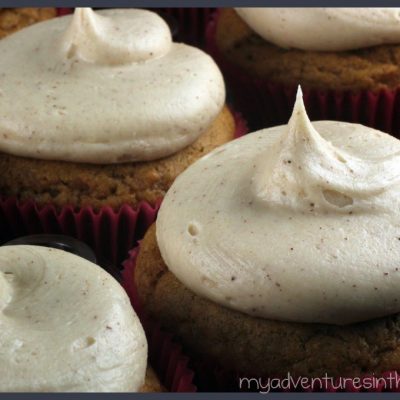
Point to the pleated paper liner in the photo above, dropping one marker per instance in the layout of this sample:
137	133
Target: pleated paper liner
265	104
212	377
165	354
108	232
192	23
188	24
63	11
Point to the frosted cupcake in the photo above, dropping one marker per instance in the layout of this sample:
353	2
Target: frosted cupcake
285	258
109	109
104	110
346	60
66	326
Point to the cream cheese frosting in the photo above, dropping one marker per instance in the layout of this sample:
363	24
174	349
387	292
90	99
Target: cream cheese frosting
65	325
299	222
104	87
325	29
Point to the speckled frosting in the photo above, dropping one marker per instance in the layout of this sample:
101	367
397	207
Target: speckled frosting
324	29
298	222
65	326
104	87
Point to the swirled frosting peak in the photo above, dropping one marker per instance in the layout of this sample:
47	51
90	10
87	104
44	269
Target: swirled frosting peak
119	40
104	87
304	171
65	326
324	29
299	222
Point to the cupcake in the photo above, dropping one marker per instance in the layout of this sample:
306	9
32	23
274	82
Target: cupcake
67	326
103	110
278	253
14	19
346	59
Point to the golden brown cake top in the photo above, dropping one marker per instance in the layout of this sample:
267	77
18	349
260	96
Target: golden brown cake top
298	222
105	87
14	19
66	325
324	29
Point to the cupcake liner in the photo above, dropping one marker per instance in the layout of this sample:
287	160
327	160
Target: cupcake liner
109	233
265	104
212	377
241	127
63	11
168	360
192	23
165	354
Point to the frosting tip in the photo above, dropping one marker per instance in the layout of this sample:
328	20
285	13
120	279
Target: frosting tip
299	94
299	117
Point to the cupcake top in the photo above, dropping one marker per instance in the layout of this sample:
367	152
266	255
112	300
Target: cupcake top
324	29
104	87
66	325
298	222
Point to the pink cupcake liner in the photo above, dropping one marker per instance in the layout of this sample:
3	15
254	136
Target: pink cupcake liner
63	11
265	104
213	377
241	127
109	233
192	23
168	359
165	354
